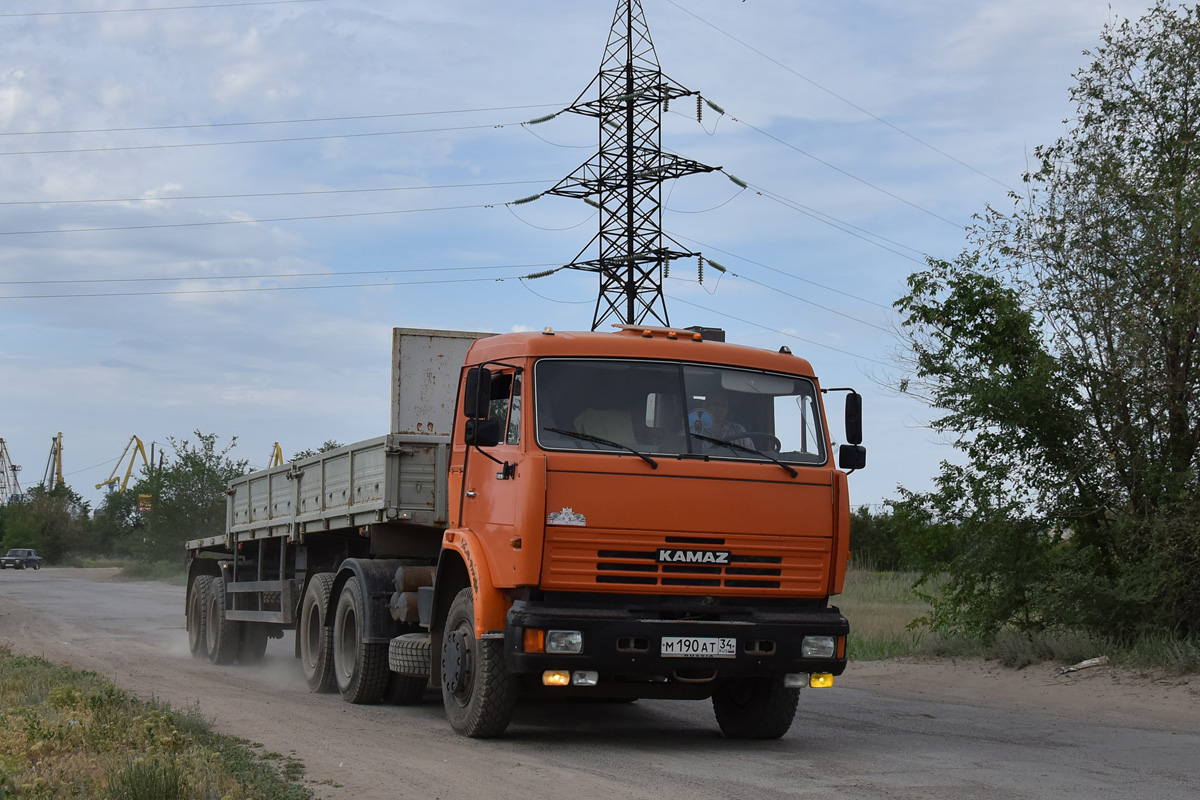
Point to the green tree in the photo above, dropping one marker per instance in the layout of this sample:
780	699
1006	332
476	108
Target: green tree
117	523
1063	349
188	496
329	444
52	521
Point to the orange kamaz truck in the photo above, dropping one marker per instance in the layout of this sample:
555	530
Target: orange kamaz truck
647	513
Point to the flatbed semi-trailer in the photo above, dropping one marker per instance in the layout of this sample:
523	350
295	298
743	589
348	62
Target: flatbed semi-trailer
644	513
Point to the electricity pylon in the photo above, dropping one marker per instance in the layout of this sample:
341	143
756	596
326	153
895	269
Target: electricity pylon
624	179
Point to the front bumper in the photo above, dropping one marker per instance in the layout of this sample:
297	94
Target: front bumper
626	643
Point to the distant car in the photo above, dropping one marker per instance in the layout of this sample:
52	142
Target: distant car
20	559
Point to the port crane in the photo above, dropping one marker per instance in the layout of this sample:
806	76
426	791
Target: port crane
133	449
53	476
10	487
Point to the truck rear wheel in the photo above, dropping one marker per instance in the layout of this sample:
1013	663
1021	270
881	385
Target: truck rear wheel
223	636
316	640
197	610
477	691
253	645
360	668
755	708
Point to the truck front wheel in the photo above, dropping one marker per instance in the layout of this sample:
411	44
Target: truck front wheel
755	708
479	694
316	638
361	668
197	609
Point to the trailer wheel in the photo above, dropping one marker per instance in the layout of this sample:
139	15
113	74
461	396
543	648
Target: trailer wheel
479	694
253	645
755	708
316	640
404	690
360	668
197	610
223	636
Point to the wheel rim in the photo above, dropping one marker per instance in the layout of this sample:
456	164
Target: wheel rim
194	619
347	642
457	664
312	638
210	629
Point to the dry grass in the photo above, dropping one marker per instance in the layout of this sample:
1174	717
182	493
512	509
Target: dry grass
65	733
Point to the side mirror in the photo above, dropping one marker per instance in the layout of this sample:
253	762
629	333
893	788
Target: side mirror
854	419
852	457
477	393
482	432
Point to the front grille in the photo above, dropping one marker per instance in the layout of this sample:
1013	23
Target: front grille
708	576
579	559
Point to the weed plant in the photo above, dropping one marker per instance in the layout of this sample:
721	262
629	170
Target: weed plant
71	734
882	607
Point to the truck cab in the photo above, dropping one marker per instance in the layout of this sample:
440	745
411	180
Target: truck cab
648	514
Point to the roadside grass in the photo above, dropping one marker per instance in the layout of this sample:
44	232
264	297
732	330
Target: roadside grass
67	733
881	607
173	572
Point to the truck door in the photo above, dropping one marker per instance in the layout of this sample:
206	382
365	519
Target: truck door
492	487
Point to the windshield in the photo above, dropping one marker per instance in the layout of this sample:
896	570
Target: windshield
676	409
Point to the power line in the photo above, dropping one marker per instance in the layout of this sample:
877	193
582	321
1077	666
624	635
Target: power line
676	299
811	303
272	275
834	94
839	224
243	290
243	221
302	120
849	174
277	140
251	195
779	271
158	8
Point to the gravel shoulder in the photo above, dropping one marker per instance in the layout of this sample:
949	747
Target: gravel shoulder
892	729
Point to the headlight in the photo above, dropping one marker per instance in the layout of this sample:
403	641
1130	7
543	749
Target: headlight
564	641
819	646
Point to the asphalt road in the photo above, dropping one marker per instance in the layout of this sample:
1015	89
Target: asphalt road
846	742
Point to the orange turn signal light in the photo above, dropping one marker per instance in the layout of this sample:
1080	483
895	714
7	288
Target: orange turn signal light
533	640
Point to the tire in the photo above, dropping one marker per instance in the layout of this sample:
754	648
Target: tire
197	613
316	640
223	635
479	694
37	566
409	654
404	690
360	668
253	645
755	708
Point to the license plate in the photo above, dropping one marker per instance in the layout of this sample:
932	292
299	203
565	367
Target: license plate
699	647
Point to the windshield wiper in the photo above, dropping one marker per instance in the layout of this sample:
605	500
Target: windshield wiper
587	437
743	448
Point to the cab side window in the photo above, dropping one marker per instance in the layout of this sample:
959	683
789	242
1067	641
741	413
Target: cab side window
505	406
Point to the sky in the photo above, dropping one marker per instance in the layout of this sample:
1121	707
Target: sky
213	212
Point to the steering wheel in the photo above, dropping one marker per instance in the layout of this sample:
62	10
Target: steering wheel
767	442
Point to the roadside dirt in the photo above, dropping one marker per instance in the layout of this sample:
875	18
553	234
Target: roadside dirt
135	637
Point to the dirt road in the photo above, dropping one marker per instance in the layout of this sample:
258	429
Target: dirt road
886	731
